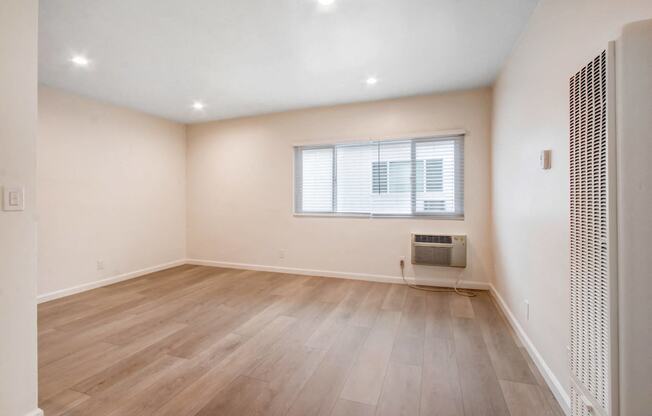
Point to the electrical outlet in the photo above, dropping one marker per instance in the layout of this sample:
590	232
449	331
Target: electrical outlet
281	254
401	261
527	310
100	265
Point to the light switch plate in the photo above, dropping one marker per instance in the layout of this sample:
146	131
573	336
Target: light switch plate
13	199
544	159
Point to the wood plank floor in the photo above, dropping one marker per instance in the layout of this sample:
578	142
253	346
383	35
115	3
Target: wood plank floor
197	340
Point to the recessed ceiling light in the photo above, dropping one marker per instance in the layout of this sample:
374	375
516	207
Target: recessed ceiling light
371	81
80	60
326	2
198	105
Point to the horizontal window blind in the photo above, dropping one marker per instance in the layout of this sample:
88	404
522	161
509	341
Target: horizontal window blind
418	177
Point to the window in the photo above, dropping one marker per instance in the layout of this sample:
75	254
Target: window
438	205
379	172
418	177
399	176
433	175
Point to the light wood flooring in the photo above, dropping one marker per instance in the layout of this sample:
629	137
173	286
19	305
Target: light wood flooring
204	341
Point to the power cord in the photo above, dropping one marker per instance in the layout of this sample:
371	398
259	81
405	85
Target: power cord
461	292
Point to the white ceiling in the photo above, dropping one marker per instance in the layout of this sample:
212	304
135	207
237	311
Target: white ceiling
244	57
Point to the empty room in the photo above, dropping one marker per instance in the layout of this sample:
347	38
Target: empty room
325	207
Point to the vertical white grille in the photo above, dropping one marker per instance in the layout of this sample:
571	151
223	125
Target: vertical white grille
589	230
578	407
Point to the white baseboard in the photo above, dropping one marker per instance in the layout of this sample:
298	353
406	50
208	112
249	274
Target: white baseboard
553	383
465	284
36	412
105	282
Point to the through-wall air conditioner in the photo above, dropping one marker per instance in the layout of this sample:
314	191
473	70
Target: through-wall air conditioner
439	250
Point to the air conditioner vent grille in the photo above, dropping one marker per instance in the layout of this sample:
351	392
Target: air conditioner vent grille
578	407
432	255
589	250
441	239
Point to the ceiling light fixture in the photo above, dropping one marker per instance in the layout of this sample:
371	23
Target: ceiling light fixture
197	105
80	60
372	81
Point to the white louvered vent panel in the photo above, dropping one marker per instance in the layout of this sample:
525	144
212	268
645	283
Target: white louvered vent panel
578	408
590	332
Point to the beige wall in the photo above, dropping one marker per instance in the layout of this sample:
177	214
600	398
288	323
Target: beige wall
111	187
18	72
531	206
240	189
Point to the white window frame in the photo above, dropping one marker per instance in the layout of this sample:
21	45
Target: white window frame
297	196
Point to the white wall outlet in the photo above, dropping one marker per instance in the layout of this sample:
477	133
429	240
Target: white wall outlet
100	265
527	310
13	199
281	254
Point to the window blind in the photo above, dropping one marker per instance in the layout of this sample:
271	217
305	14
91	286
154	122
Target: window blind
417	177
